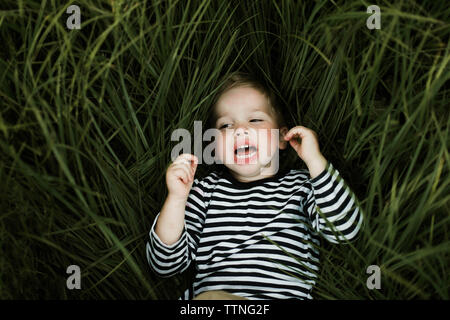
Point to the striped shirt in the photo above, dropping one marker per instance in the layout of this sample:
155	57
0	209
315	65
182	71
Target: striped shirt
258	239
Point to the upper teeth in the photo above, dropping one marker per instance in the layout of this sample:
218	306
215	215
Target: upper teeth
243	147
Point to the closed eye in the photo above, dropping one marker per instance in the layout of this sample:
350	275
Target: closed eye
224	126
255	120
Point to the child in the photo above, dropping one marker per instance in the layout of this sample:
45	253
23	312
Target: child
251	231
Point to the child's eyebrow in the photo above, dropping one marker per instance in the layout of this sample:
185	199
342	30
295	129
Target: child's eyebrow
220	118
258	110
254	110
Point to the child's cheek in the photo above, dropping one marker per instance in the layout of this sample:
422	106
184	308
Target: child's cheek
224	148
274	139
268	142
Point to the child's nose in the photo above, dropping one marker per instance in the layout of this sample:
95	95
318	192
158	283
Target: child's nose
241	130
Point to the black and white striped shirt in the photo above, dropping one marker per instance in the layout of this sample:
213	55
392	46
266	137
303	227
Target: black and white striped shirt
258	239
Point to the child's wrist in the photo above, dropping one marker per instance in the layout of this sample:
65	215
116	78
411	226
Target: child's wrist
317	166
176	199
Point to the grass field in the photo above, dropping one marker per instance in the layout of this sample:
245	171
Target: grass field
86	117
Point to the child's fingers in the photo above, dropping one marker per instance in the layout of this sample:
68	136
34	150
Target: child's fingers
185	164
294	143
298	131
188	156
188	159
186	169
182	175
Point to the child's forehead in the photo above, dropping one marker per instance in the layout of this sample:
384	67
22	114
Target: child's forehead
242	99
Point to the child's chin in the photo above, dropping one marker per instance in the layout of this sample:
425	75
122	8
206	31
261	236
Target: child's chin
245	170
249	167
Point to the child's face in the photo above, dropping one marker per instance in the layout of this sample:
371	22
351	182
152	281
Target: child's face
244	118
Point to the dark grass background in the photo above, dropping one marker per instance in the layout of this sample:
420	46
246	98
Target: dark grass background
86	117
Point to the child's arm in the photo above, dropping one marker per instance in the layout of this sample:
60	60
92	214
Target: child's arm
174	236
332	206
179	179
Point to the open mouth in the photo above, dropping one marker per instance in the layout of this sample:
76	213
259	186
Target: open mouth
245	151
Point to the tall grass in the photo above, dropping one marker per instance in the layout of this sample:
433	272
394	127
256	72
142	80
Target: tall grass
86	117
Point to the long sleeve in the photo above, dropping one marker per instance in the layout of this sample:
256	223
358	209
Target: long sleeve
167	260
333	208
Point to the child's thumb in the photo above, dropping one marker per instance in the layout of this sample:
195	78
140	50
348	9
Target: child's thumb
194	162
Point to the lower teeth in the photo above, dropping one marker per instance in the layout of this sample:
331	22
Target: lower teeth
245	155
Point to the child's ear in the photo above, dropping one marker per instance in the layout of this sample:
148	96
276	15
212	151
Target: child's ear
283	143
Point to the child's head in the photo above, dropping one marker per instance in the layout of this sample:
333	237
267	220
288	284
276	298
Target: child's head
251	127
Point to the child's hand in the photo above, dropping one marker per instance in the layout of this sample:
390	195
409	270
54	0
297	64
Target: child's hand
180	176
308	149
